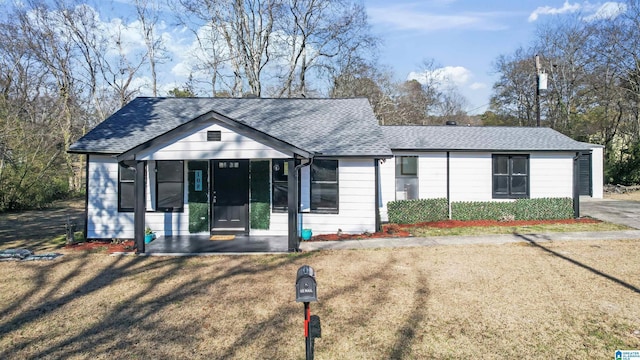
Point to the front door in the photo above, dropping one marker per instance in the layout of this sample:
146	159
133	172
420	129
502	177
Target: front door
230	196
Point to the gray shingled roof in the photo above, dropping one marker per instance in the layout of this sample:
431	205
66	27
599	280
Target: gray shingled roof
479	138
332	127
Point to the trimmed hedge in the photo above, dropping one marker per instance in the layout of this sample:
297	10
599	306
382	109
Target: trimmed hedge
198	212
416	211
521	209
424	210
260	209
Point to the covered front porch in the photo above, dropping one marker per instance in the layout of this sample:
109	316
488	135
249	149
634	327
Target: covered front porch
202	244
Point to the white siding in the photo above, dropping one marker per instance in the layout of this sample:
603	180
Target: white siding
432	175
470	176
357	201
356	181
196	147
597	172
551	175
103	219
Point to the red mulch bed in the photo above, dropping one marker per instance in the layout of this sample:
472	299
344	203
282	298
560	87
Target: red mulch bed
396	230
103	245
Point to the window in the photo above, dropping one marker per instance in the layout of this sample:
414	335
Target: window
324	186
510	176
126	185
169	185
280	184
406	177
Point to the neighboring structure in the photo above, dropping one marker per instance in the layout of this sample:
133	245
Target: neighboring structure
464	163
183	166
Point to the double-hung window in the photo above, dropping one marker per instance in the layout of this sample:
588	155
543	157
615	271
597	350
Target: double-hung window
324	186
406	177
170	185
510	176
126	185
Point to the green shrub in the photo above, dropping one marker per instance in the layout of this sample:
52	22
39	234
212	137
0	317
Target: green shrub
521	209
198	217
260	214
424	210
416	211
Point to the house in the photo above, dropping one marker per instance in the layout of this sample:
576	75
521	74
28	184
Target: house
184	166
465	163
254	166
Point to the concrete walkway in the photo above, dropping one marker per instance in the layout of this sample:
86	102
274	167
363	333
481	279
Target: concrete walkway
614	211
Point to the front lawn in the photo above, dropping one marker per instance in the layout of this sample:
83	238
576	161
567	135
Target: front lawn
558	300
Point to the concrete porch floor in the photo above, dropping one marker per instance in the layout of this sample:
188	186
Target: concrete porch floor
201	244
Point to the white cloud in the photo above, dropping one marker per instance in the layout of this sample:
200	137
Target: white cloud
608	10
410	18
548	10
445	76
478	86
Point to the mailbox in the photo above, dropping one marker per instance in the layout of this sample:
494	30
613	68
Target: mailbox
306	285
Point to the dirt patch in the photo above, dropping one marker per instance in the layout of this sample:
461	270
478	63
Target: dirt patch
103	246
629	196
390	230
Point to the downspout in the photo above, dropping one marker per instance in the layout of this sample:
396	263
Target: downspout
294	241
86	198
576	185
448	188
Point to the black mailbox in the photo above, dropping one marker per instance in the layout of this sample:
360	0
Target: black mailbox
306	285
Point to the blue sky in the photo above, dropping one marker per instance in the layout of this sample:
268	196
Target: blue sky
462	37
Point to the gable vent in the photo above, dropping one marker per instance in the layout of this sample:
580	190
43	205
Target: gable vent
214	136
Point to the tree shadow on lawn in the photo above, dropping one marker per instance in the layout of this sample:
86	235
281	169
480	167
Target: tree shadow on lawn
35	229
137	308
578	263
140	308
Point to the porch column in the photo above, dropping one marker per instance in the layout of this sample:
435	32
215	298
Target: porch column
292	204
576	186
139	207
376	169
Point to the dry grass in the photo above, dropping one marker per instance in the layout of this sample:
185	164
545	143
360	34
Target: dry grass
526	229
558	300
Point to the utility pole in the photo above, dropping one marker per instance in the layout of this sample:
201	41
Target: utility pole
541	84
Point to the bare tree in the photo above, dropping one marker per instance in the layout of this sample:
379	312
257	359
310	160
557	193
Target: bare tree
319	32
148	16
514	92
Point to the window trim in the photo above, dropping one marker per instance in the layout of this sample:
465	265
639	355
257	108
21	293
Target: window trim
120	182
315	210
509	176
157	182
403	175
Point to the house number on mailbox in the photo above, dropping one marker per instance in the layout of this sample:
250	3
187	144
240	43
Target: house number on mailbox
198	180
